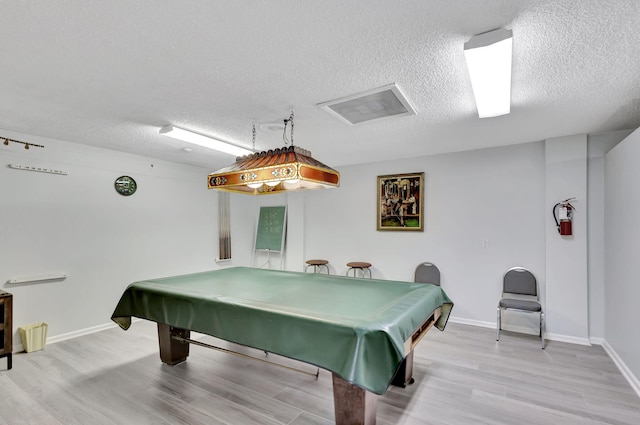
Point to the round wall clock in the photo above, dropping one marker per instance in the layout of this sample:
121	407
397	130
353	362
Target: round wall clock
125	185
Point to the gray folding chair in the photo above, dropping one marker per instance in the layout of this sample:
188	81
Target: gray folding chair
427	273
520	293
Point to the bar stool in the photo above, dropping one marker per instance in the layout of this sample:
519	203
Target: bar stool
316	264
359	265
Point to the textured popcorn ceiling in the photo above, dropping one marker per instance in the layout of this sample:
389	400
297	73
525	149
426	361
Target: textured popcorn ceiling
111	73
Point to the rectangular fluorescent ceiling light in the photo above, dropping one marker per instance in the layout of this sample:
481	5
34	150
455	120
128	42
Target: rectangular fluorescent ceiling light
200	140
488	58
382	102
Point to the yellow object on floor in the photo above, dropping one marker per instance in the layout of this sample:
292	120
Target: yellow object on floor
34	336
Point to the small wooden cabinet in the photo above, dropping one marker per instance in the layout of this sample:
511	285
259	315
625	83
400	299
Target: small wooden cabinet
6	327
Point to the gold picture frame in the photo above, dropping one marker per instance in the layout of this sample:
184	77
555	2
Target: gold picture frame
401	202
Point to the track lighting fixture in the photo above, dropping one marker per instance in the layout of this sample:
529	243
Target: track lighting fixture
26	144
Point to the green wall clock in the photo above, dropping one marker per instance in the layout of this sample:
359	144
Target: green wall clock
125	185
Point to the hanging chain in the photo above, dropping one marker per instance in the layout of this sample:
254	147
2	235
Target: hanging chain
291	119
254	136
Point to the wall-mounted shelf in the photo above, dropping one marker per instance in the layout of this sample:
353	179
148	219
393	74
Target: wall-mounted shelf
36	279
223	260
38	169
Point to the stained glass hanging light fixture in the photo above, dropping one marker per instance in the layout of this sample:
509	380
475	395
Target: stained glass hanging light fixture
287	169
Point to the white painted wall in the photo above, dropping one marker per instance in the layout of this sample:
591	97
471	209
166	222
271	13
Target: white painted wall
595	254
597	147
567	313
492	194
622	245
79	225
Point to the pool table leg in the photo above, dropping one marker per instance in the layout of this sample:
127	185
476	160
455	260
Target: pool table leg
353	405
172	352
404	374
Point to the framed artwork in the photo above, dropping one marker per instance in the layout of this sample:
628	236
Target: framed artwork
401	202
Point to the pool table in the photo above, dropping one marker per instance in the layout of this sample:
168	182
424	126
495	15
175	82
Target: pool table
361	330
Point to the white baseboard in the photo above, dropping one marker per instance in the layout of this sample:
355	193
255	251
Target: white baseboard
630	377
569	339
596	341
549	336
463	321
81	332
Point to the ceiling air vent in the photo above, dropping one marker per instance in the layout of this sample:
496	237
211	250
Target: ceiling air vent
374	104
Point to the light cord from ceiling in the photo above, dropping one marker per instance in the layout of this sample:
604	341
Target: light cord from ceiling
26	144
284	133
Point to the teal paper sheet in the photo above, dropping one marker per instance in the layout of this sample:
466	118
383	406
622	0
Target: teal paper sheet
355	328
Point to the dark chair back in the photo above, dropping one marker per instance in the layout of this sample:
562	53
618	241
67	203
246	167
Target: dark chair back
521	281
427	273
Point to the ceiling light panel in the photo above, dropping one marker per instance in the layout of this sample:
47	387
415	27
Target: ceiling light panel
200	140
488	57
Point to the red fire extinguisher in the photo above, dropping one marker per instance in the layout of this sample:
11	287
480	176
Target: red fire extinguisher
564	216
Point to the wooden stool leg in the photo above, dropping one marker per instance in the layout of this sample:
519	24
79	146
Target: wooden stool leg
353	405
172	352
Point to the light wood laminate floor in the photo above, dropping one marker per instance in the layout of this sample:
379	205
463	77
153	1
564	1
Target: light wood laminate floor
463	376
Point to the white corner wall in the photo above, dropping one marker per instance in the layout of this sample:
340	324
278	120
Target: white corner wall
567	305
622	245
597	147
79	225
595	251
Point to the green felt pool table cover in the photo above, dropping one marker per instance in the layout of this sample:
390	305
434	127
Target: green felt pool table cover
355	328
